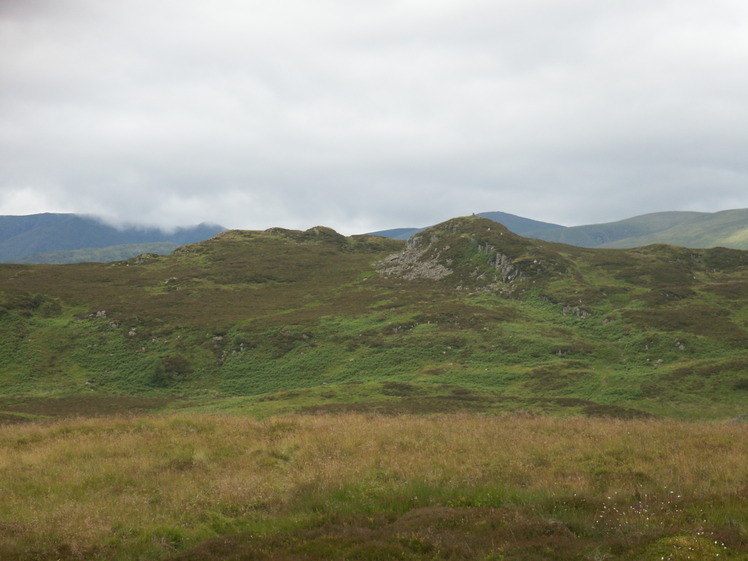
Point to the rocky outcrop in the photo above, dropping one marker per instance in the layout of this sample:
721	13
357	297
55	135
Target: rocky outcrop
473	253
505	266
414	263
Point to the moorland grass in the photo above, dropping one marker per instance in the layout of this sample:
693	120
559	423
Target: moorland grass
352	486
249	313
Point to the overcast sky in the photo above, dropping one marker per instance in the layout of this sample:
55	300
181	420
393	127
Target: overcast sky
364	115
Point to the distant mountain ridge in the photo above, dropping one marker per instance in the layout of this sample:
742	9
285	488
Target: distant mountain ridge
73	238
727	228
38	238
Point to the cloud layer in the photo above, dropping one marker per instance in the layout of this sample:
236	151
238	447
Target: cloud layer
368	115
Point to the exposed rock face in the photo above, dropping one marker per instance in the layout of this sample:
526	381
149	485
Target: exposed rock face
502	263
413	263
431	255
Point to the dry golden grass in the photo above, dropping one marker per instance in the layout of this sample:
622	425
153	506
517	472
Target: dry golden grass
149	487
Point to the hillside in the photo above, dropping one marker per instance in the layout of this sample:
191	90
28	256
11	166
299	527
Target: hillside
466	315
728	228
622	232
45	238
99	254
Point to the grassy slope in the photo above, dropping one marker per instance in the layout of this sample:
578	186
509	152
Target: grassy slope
275	321
689	229
726	229
100	254
596	235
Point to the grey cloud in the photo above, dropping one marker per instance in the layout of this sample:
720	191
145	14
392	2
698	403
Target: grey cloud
369	115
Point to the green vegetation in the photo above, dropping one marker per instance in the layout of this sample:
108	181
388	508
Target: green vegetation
522	323
100	254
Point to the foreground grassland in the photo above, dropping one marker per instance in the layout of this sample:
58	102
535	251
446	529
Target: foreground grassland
353	486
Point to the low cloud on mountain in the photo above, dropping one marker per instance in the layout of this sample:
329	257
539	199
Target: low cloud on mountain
364	116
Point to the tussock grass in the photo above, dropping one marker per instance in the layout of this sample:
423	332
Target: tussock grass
151	487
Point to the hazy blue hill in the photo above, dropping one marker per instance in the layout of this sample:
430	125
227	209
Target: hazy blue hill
60	232
397	233
596	235
11	226
24	236
727	228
